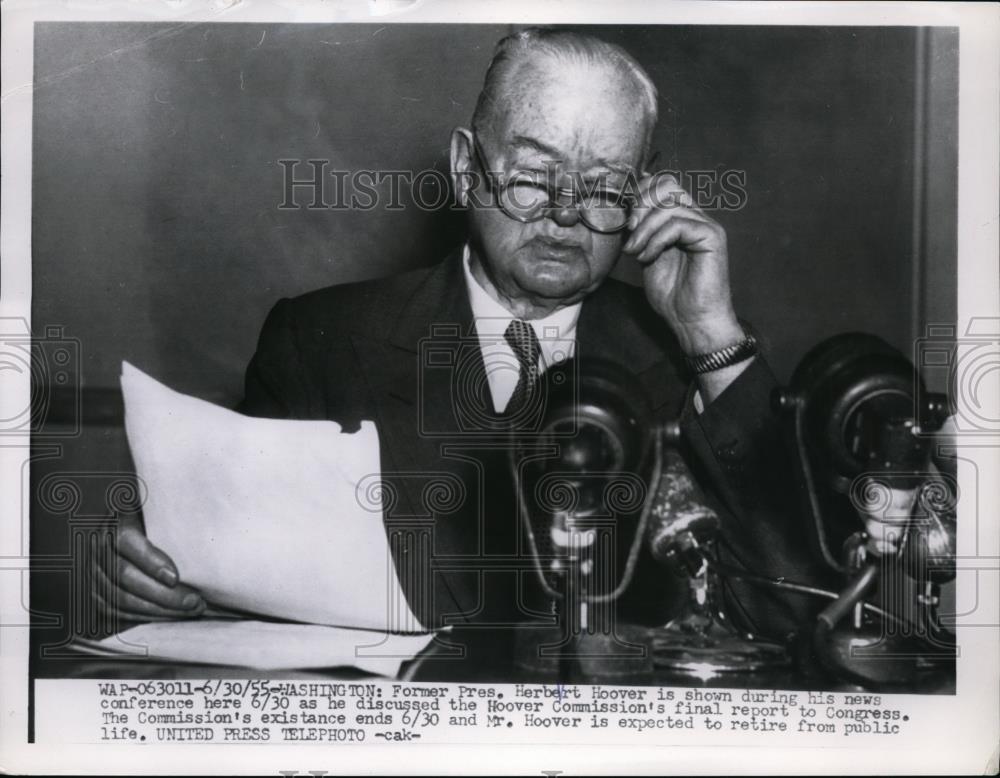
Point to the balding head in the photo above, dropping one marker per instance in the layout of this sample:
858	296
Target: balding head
526	63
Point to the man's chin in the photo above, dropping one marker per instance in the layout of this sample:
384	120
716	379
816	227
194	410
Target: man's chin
555	285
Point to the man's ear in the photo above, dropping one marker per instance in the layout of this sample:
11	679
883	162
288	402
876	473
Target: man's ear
649	161
461	163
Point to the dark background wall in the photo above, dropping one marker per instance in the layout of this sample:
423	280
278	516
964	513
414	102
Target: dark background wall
157	237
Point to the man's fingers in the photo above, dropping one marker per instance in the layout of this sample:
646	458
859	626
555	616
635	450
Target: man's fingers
651	220
140	583
667	230
135	547
135	586
108	604
686	234
135	581
129	606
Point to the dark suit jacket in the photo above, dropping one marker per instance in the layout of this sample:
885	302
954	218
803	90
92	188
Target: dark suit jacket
359	351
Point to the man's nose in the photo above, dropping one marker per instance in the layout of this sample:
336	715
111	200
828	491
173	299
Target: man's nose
564	216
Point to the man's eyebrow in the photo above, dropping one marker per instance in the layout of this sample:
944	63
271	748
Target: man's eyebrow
526	141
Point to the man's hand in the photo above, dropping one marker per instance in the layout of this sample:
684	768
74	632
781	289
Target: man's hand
686	273
138	582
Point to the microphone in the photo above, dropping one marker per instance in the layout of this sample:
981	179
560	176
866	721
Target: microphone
861	417
583	479
681	520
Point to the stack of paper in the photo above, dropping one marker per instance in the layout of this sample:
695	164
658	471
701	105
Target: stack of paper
265	645
267	516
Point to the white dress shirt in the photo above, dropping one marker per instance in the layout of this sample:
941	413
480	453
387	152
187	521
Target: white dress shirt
556	335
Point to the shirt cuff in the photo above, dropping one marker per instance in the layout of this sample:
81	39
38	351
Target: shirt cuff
696	400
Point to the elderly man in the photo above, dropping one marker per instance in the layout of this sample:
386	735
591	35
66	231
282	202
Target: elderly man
553	172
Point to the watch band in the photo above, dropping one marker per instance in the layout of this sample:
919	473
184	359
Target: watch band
723	357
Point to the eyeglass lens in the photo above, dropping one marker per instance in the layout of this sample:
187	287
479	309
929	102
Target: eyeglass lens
528	201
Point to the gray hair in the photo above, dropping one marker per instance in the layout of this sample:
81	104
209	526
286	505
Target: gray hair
570	47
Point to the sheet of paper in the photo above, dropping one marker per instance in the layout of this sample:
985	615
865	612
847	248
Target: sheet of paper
264	515
267	645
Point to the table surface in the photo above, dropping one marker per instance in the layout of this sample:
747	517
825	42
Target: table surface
488	655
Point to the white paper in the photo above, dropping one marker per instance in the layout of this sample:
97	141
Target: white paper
267	645
263	515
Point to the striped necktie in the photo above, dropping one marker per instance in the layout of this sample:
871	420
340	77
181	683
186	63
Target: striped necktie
522	339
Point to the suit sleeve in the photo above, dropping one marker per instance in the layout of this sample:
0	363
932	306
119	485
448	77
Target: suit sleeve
740	452
276	384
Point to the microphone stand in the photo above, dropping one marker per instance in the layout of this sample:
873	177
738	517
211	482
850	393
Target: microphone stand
701	640
585	641
852	425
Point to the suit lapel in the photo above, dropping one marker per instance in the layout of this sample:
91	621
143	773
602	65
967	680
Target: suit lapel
411	391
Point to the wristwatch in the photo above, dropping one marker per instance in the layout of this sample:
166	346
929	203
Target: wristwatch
723	357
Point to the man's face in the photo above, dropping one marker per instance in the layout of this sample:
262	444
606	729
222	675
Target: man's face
578	123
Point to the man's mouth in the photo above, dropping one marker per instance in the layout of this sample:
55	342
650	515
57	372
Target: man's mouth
556	251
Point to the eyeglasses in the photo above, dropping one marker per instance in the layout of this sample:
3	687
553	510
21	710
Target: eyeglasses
525	199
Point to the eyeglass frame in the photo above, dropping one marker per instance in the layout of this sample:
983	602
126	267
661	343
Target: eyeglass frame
498	189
